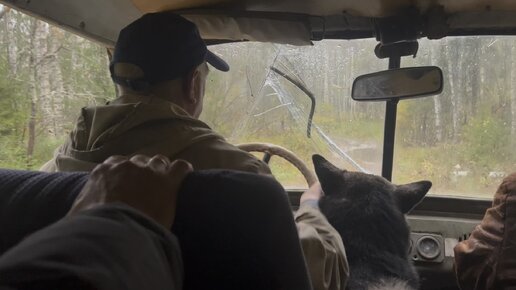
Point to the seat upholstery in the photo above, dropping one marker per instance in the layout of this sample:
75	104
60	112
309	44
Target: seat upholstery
31	200
235	229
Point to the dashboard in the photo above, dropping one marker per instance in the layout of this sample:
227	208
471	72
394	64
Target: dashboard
437	225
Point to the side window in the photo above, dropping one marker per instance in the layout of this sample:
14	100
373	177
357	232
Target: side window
47	75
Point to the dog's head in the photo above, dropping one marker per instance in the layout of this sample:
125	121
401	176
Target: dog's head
365	208
340	184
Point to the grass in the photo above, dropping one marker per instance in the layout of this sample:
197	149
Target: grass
444	164
446	167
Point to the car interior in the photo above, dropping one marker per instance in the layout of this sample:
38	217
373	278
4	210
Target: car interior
397	33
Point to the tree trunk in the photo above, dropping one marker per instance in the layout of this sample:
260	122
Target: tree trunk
325	75
31	144
42	60
455	119
39	85
3	10
512	99
474	76
12	48
482	73
56	82
437	119
351	69
437	107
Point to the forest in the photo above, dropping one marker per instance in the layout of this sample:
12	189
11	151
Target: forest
463	140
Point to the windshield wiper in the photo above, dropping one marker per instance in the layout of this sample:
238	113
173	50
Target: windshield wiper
327	139
310	95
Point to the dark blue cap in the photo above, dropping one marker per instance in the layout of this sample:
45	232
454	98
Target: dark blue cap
165	46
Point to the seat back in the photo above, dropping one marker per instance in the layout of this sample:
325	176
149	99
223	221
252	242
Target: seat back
31	200
235	229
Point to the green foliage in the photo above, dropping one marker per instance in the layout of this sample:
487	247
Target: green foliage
13	104
416	123
432	163
443	164
13	153
44	151
83	66
13	131
251	104
12	115
361	129
487	144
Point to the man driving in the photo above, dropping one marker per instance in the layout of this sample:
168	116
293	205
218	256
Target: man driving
160	66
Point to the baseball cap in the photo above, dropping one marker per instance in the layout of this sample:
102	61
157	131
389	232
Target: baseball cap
165	46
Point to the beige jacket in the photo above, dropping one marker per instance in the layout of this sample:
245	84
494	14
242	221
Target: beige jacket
323	249
133	125
145	125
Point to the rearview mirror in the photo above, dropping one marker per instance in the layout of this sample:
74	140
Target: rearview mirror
402	83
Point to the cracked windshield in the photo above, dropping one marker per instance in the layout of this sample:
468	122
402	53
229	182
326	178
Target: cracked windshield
462	140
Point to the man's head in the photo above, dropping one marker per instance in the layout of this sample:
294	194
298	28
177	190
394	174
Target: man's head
163	54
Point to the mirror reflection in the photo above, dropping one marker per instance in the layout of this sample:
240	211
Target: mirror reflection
399	83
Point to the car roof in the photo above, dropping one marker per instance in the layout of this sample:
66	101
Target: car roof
297	22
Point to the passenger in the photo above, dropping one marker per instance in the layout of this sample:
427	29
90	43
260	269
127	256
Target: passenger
487	259
160	66
126	207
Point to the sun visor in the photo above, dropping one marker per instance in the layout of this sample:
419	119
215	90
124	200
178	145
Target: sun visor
294	30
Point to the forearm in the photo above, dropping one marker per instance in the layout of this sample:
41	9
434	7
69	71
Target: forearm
323	248
108	247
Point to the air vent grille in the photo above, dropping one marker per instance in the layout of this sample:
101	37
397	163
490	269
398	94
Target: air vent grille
464	237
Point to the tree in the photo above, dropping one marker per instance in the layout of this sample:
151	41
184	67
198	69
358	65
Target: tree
512	83
40	82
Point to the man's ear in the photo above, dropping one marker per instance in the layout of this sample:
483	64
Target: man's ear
190	86
330	176
409	195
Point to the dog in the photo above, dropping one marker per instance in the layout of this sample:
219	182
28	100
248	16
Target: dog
369	214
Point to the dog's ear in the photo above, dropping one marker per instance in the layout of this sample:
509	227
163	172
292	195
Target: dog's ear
407	196
330	177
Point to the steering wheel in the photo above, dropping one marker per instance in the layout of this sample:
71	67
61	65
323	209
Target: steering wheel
271	149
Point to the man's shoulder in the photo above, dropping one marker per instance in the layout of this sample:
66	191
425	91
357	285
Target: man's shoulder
155	114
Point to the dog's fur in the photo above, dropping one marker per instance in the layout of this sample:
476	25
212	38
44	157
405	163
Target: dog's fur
368	212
